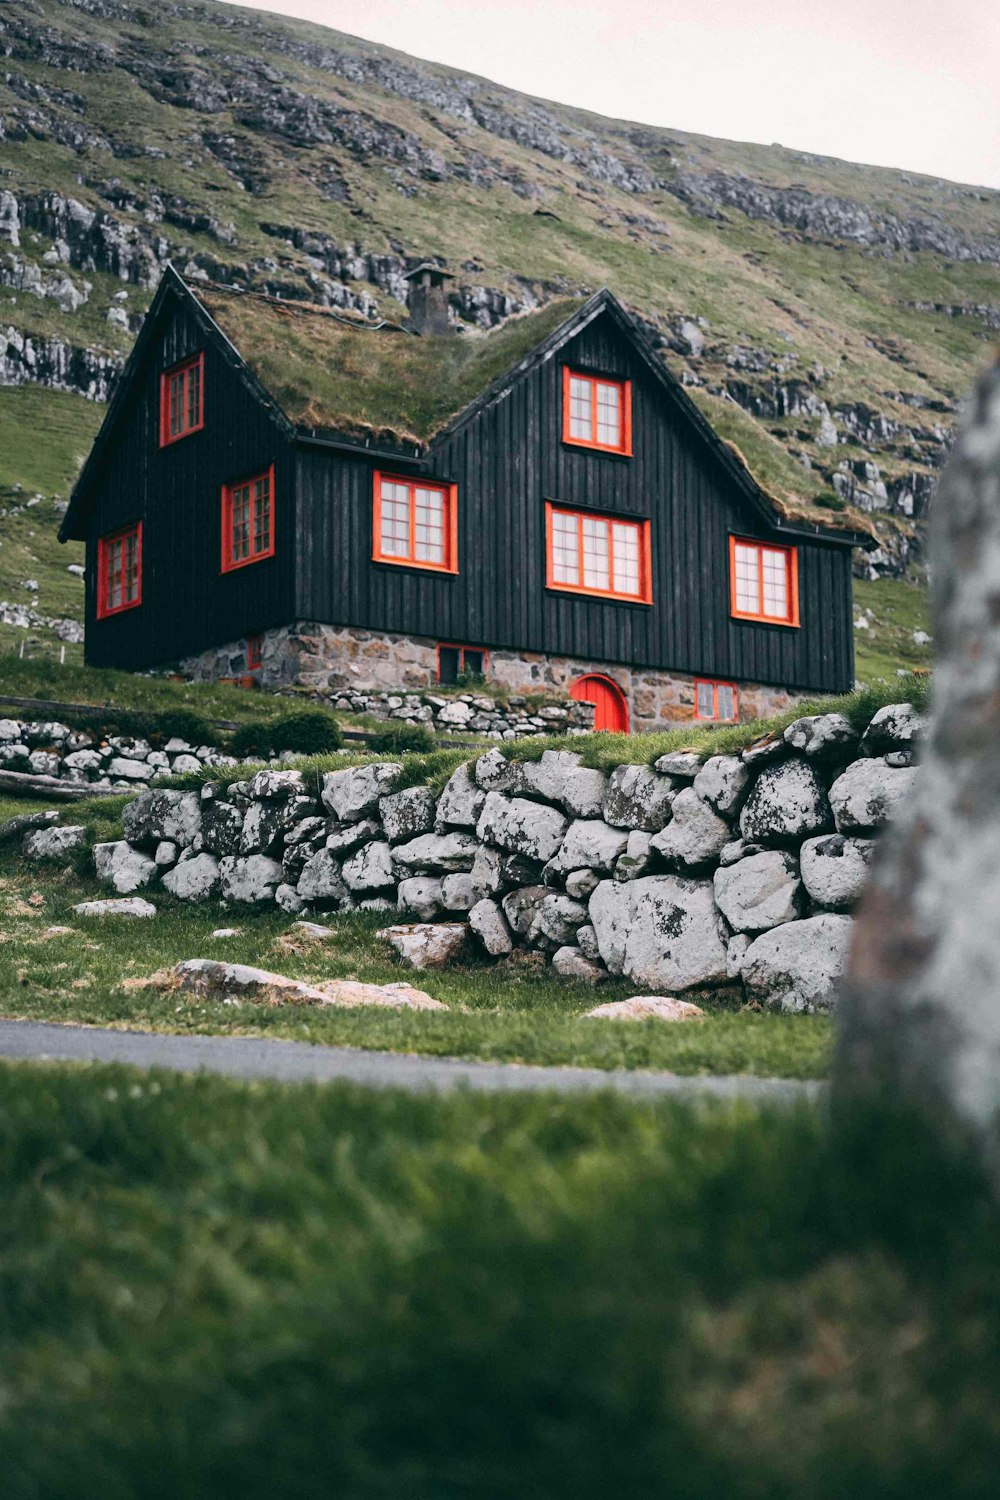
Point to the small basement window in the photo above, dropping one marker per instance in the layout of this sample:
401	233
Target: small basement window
457	662
763	582
597	412
119	571
602	555
255	653
182	400
716	700
248	520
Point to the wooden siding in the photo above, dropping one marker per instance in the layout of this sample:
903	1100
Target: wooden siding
188	604
507	461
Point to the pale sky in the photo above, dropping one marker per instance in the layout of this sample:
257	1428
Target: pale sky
896	83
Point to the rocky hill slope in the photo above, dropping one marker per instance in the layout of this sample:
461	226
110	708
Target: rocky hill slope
829	315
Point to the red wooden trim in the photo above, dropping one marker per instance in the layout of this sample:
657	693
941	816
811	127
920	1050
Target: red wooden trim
608	682
624	447
103	610
450	493
229	564
791	555
715	683
645	595
166	438
454	646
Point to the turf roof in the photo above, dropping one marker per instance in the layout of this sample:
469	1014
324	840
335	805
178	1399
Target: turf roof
330	372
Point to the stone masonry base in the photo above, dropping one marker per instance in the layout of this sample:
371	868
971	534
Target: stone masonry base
336	659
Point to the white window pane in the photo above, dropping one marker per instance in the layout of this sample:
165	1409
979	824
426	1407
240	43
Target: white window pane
747	579
706	701
596	569
580	408
775	571
626	544
608	414
565	548
726	697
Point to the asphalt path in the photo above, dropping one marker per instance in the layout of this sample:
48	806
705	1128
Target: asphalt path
302	1062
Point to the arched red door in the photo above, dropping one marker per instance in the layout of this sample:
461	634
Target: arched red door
610	707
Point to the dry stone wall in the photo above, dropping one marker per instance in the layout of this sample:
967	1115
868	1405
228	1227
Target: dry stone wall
684	875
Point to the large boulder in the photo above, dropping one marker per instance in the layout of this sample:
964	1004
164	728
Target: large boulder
320	879
233	983
590	844
797	966
694	836
495	773
583	792
827	738
263	828
835	869
344	840
788	803
427	945
352	794
898	726
489	924
662	932
864	796
252	878
195	879
370	869
721	783
457	893
461	802
123	868
116	906
520	826
161	814
407	813
545	778
638	797
760	892
421	895
444	853
53	843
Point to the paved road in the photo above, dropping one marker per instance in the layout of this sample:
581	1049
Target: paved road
299	1062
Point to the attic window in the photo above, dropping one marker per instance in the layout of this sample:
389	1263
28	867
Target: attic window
597	412
763	582
715	700
415	523
182	400
119	571
602	555
248	520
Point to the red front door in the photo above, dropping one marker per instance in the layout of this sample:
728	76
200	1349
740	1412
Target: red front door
610	707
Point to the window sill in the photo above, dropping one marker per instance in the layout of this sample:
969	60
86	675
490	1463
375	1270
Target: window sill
595	596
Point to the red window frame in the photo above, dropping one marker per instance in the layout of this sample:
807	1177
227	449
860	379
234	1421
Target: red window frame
645	594
791	557
257	554
255	653
410	559
104	609
182	373
624	388
453	646
715	717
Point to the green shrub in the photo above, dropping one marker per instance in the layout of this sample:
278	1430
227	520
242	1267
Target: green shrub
308	731
398	738
183	724
251	742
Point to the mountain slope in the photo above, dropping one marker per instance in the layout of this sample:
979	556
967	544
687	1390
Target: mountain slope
841	310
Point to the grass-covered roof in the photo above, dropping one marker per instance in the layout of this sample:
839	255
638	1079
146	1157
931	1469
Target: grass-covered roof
329	371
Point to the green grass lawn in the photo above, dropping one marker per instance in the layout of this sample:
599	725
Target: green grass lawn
210	1289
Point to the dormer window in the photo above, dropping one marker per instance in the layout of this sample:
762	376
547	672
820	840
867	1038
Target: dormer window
597	412
182	400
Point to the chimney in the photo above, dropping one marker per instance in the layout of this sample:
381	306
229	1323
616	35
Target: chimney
428	299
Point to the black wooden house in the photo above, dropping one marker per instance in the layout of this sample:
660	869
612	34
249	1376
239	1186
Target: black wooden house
299	494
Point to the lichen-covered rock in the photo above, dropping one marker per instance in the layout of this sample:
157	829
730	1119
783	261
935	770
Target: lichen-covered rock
590	844
123	868
583	792
235	983
864	796
545	778
638	797
495	871
399	995
196	879
370	868
555	921
457	893
570	963
221	828
161	814
682	764
407	813
123	768
488	922
320	879
694	836
421	895
736	950
287	899
827	738
788	803
251	878
462	800
646	1008
440	853
263	828
127	906
897	726
797	966
586	941
53	843
427	945
165	854
519	907
760	892
343	841
277	785
522	827
662	931
581	884
352	794
835	869
495	773
721	783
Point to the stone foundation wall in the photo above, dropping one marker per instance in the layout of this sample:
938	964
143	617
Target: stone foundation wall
337	661
684	875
